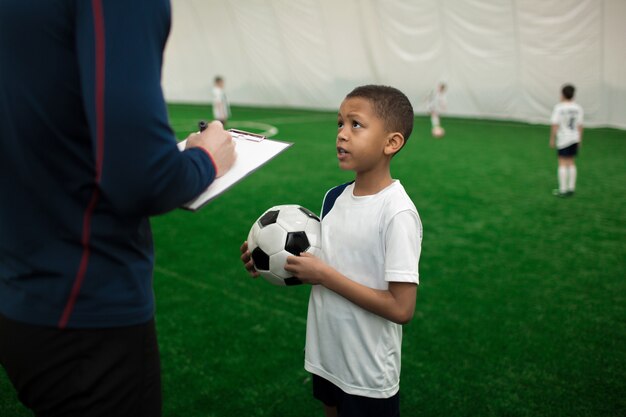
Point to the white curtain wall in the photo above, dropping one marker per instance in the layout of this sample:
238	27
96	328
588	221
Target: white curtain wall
504	59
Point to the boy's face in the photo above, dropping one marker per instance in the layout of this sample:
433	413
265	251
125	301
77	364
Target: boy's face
361	136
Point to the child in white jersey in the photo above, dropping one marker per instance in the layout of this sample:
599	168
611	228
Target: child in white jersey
367	275
221	108
436	104
567	128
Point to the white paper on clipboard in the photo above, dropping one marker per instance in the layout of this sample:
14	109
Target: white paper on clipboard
252	153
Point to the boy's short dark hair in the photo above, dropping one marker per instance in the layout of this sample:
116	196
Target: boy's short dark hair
218	79
568	91
391	105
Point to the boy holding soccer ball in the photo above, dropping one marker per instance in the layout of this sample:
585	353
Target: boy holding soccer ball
365	282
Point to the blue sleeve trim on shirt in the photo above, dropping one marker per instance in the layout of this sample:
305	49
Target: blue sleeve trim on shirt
331	196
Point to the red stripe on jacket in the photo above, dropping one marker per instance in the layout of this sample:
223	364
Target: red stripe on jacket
98	21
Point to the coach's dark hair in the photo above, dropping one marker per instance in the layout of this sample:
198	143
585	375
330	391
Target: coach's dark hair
391	105
568	91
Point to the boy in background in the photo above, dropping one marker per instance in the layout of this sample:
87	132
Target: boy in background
221	109
435	104
567	128
365	282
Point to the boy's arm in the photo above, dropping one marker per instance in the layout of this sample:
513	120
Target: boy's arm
553	131
396	304
554	122
580	133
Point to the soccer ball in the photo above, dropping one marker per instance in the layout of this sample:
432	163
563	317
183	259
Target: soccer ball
280	232
438	132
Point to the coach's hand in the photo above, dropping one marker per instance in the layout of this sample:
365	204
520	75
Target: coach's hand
218	143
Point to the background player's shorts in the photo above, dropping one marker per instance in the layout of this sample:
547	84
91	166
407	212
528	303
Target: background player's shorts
571	150
354	405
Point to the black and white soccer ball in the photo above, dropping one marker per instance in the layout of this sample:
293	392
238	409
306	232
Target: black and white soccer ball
280	232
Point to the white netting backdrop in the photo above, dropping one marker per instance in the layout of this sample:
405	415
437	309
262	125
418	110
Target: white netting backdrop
500	58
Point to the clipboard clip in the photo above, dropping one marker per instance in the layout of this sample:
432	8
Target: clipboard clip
242	134
236	133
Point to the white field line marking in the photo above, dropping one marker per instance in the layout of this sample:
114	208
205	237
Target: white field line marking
268	132
406	361
274	307
266	125
299	119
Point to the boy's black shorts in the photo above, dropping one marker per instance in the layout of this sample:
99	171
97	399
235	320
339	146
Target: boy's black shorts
83	372
354	405
571	150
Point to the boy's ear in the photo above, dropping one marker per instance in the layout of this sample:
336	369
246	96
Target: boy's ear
395	141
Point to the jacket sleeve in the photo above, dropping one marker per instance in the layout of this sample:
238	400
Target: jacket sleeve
138	167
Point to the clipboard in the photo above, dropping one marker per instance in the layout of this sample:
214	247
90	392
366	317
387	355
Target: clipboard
253	151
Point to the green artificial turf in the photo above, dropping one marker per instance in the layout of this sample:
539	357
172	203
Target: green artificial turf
521	309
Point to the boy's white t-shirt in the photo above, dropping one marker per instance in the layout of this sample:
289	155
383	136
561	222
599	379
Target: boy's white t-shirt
568	116
436	101
372	240
221	108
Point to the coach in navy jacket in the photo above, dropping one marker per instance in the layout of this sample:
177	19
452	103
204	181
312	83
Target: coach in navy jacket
86	156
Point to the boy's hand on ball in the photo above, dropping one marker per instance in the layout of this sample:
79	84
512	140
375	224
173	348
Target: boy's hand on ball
307	268
246	258
278	233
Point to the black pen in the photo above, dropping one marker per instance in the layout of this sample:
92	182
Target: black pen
202	125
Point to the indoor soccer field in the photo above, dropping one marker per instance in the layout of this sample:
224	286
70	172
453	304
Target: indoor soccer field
522	303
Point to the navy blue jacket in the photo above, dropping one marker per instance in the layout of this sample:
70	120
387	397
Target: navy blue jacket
86	156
